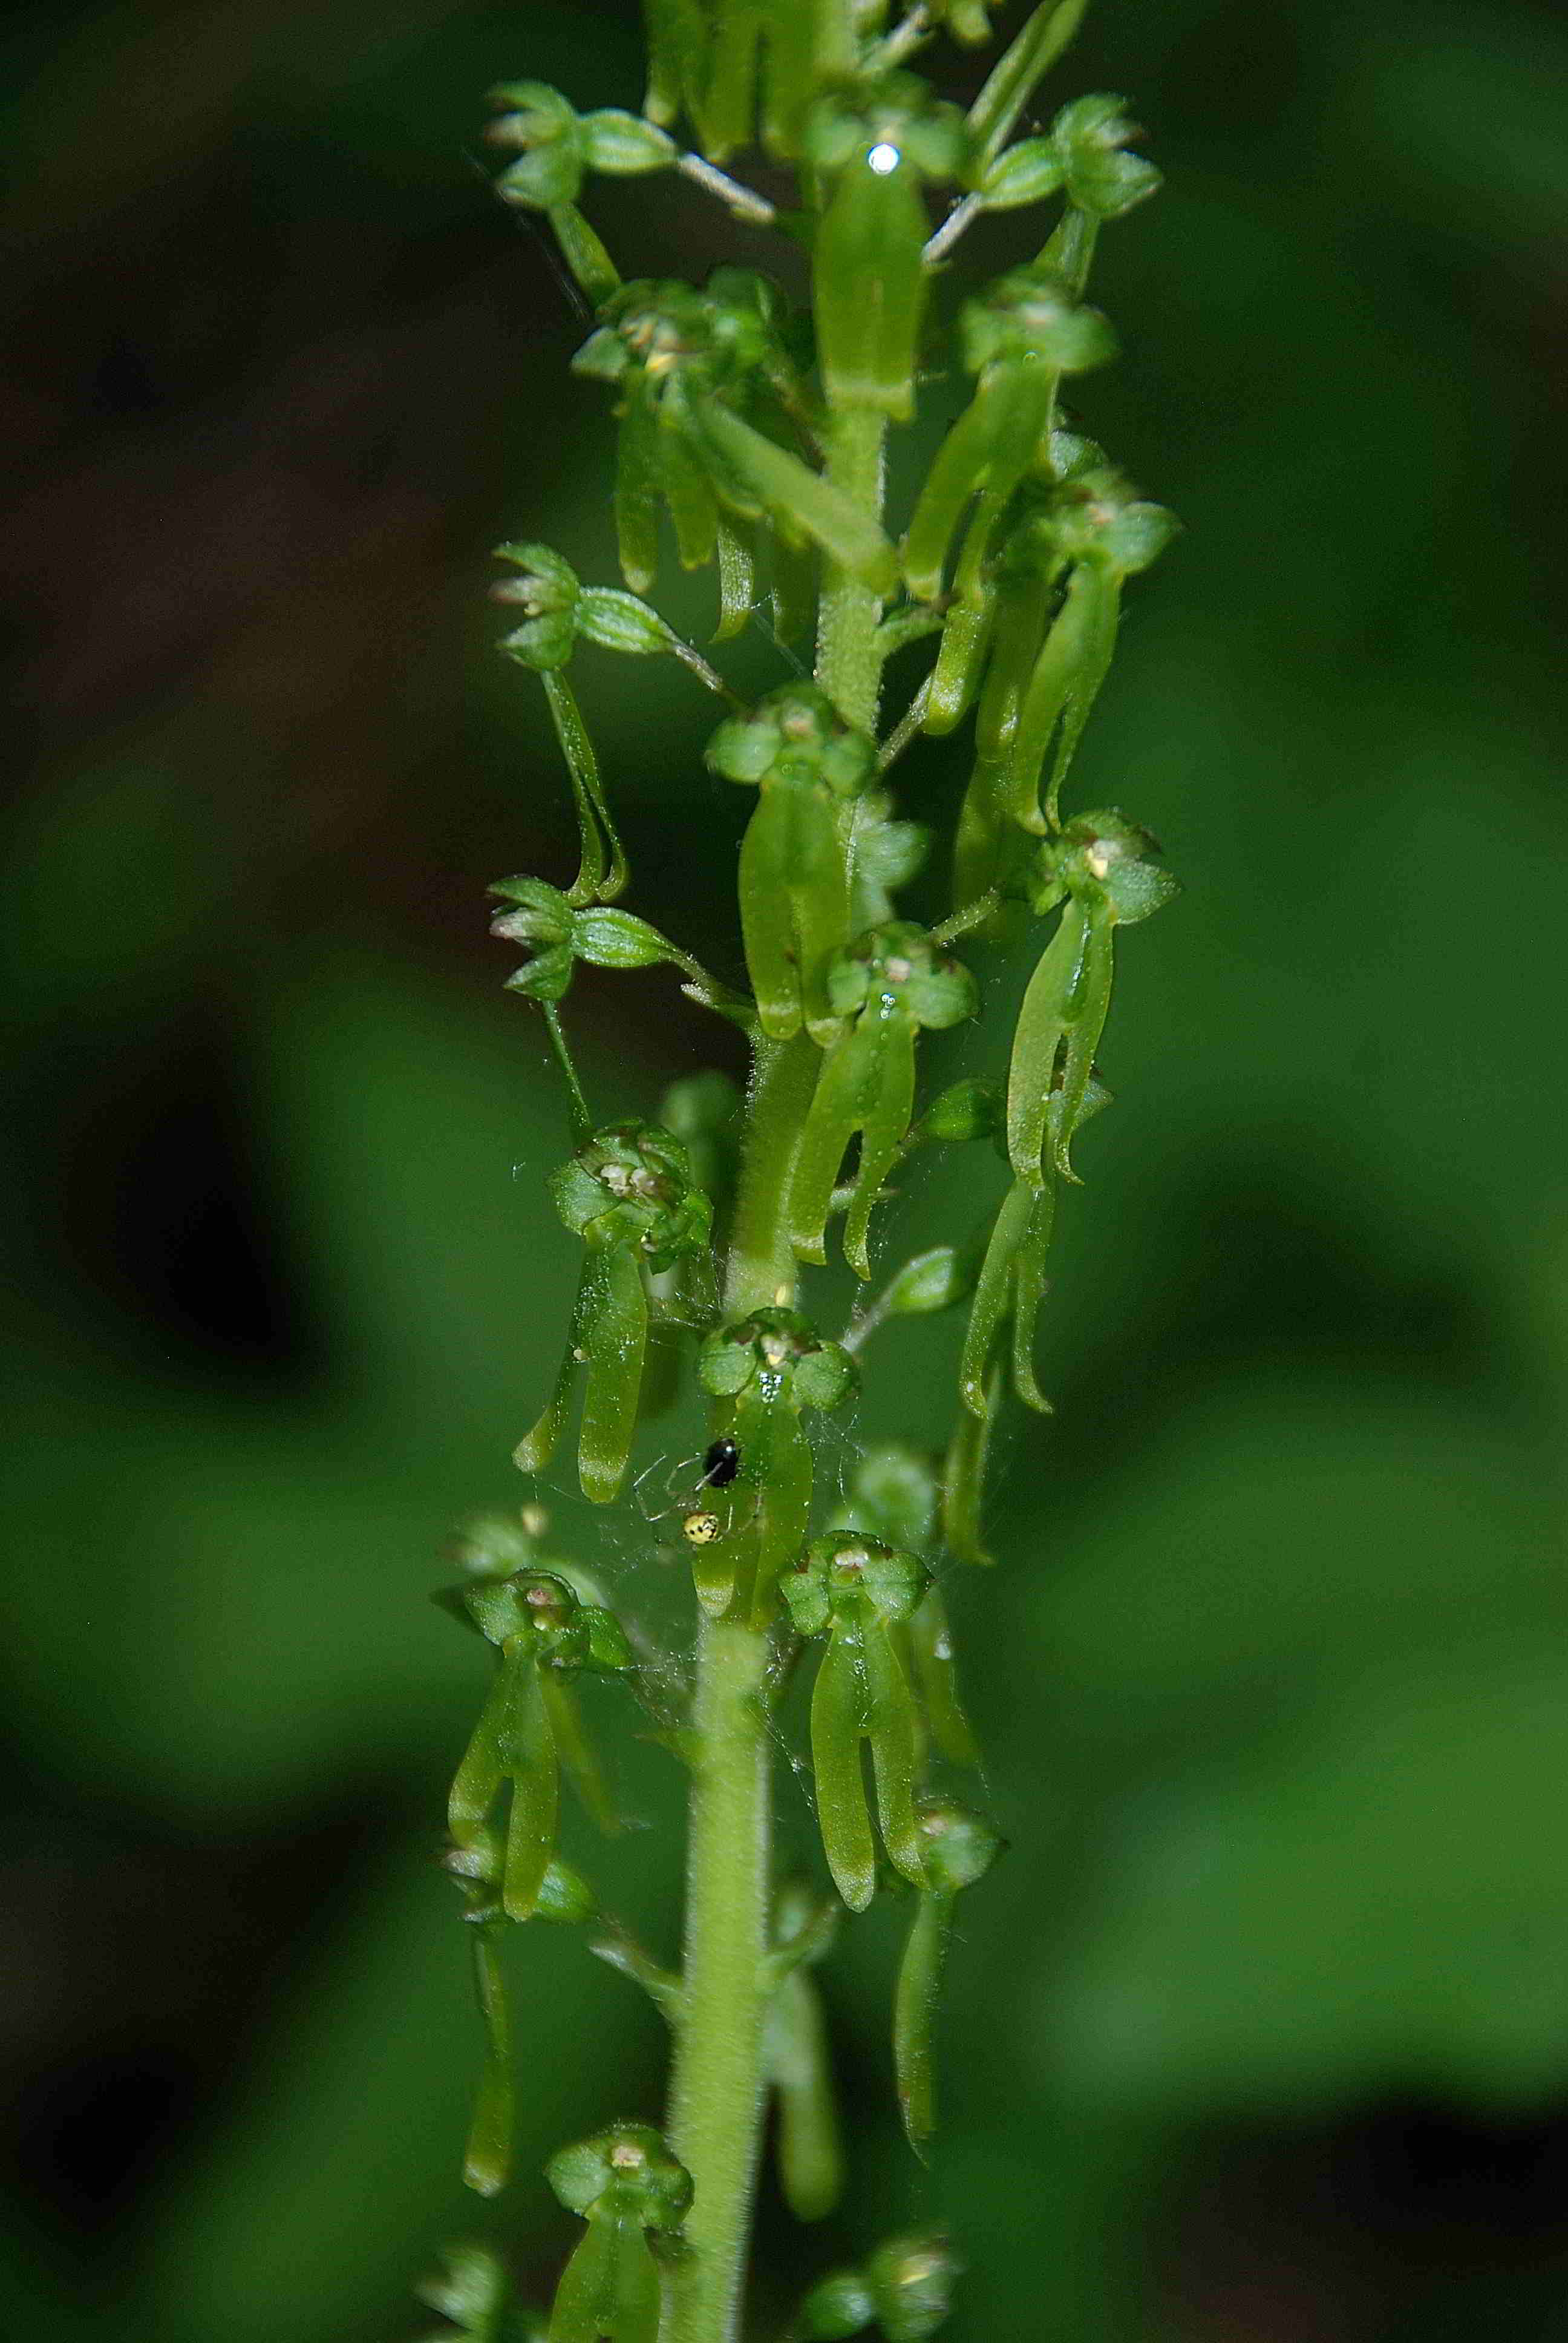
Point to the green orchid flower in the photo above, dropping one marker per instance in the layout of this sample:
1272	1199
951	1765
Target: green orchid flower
1104	871
545	1637
889	985
880	144
627	2186
852	1590
769	1367
796	900
959	1849
628	1193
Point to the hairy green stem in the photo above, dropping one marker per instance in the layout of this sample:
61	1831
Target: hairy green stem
848	655
716	2100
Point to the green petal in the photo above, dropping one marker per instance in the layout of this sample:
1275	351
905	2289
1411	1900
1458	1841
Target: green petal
1050	1006
1092	1001
886	1125
487	2159
582	1768
931	1643
846	1084
737	577
914	2016
477	1780
602	872
801	499
535	1792
609	2290
798	2064
869	287
989	446
1017	74
613	1330
841	1815
636	492
890	1714
963	1478
767	922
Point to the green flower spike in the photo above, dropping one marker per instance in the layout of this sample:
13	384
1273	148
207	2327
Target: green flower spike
905	2288
1019	340
795	893
770	1366
479	1869
545	1637
796	2057
888	986
879	145
959	1850
625	2183
629	1195
853	1590
475	2294
1106	868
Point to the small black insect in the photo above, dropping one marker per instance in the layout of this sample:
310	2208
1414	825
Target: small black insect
720	1464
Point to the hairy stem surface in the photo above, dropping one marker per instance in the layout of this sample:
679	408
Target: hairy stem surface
716	2094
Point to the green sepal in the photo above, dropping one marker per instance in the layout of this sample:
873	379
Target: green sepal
971	1108
932	1649
608	938
1016	75
932	1281
609	2291
546	592
963	1478
777	1346
1090	137
475	2294
837	2306
621	622
911	2280
841	1815
799	499
870	284
990	446
1025	174
629	2163
798	2064
544	129
624	144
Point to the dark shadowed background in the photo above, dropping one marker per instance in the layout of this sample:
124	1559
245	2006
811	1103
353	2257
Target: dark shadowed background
1262	2030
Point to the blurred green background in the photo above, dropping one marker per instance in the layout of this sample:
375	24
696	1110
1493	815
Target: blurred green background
1262	2031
